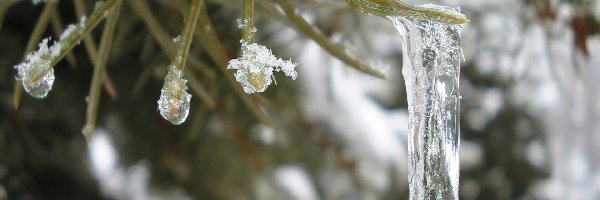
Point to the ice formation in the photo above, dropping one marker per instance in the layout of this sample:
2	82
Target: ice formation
174	102
432	57
256	65
36	72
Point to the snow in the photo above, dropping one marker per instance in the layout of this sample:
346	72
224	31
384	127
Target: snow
123	182
296	182
254	69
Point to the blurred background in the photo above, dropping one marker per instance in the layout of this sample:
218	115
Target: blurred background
530	118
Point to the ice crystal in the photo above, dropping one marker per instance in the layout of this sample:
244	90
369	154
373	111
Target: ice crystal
174	102
256	65
36	73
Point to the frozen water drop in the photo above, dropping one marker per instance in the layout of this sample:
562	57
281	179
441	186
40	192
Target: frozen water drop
36	73
174	102
40	87
254	82
174	110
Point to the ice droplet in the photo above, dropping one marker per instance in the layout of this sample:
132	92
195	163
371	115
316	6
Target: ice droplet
256	65
174	102
36	73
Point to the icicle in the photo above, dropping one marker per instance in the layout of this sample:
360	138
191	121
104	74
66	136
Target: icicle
174	102
431	72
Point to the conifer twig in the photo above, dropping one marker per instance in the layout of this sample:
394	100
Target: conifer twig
92	52
99	72
386	8
190	21
248	22
160	35
306	28
86	26
34	38
174	101
218	53
57	27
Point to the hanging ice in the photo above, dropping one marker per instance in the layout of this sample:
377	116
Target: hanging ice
431	71
256	65
174	102
36	73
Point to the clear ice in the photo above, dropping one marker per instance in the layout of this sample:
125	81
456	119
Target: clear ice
174	102
431	67
35	73
256	65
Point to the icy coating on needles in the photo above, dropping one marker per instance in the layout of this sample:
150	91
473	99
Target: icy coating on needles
432	57
174	102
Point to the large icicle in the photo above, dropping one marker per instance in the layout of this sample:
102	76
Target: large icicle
431	71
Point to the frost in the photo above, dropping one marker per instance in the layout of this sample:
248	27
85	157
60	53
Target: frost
432	54
256	65
243	24
36	73
67	32
176	39
174	102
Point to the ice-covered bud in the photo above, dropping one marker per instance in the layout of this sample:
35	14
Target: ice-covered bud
36	73
174	102
256	65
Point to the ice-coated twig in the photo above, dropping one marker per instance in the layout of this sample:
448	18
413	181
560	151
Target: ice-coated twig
256	65
254	69
36	72
386	8
218	53
174	102
247	22
35	36
37	65
57	27
99	72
